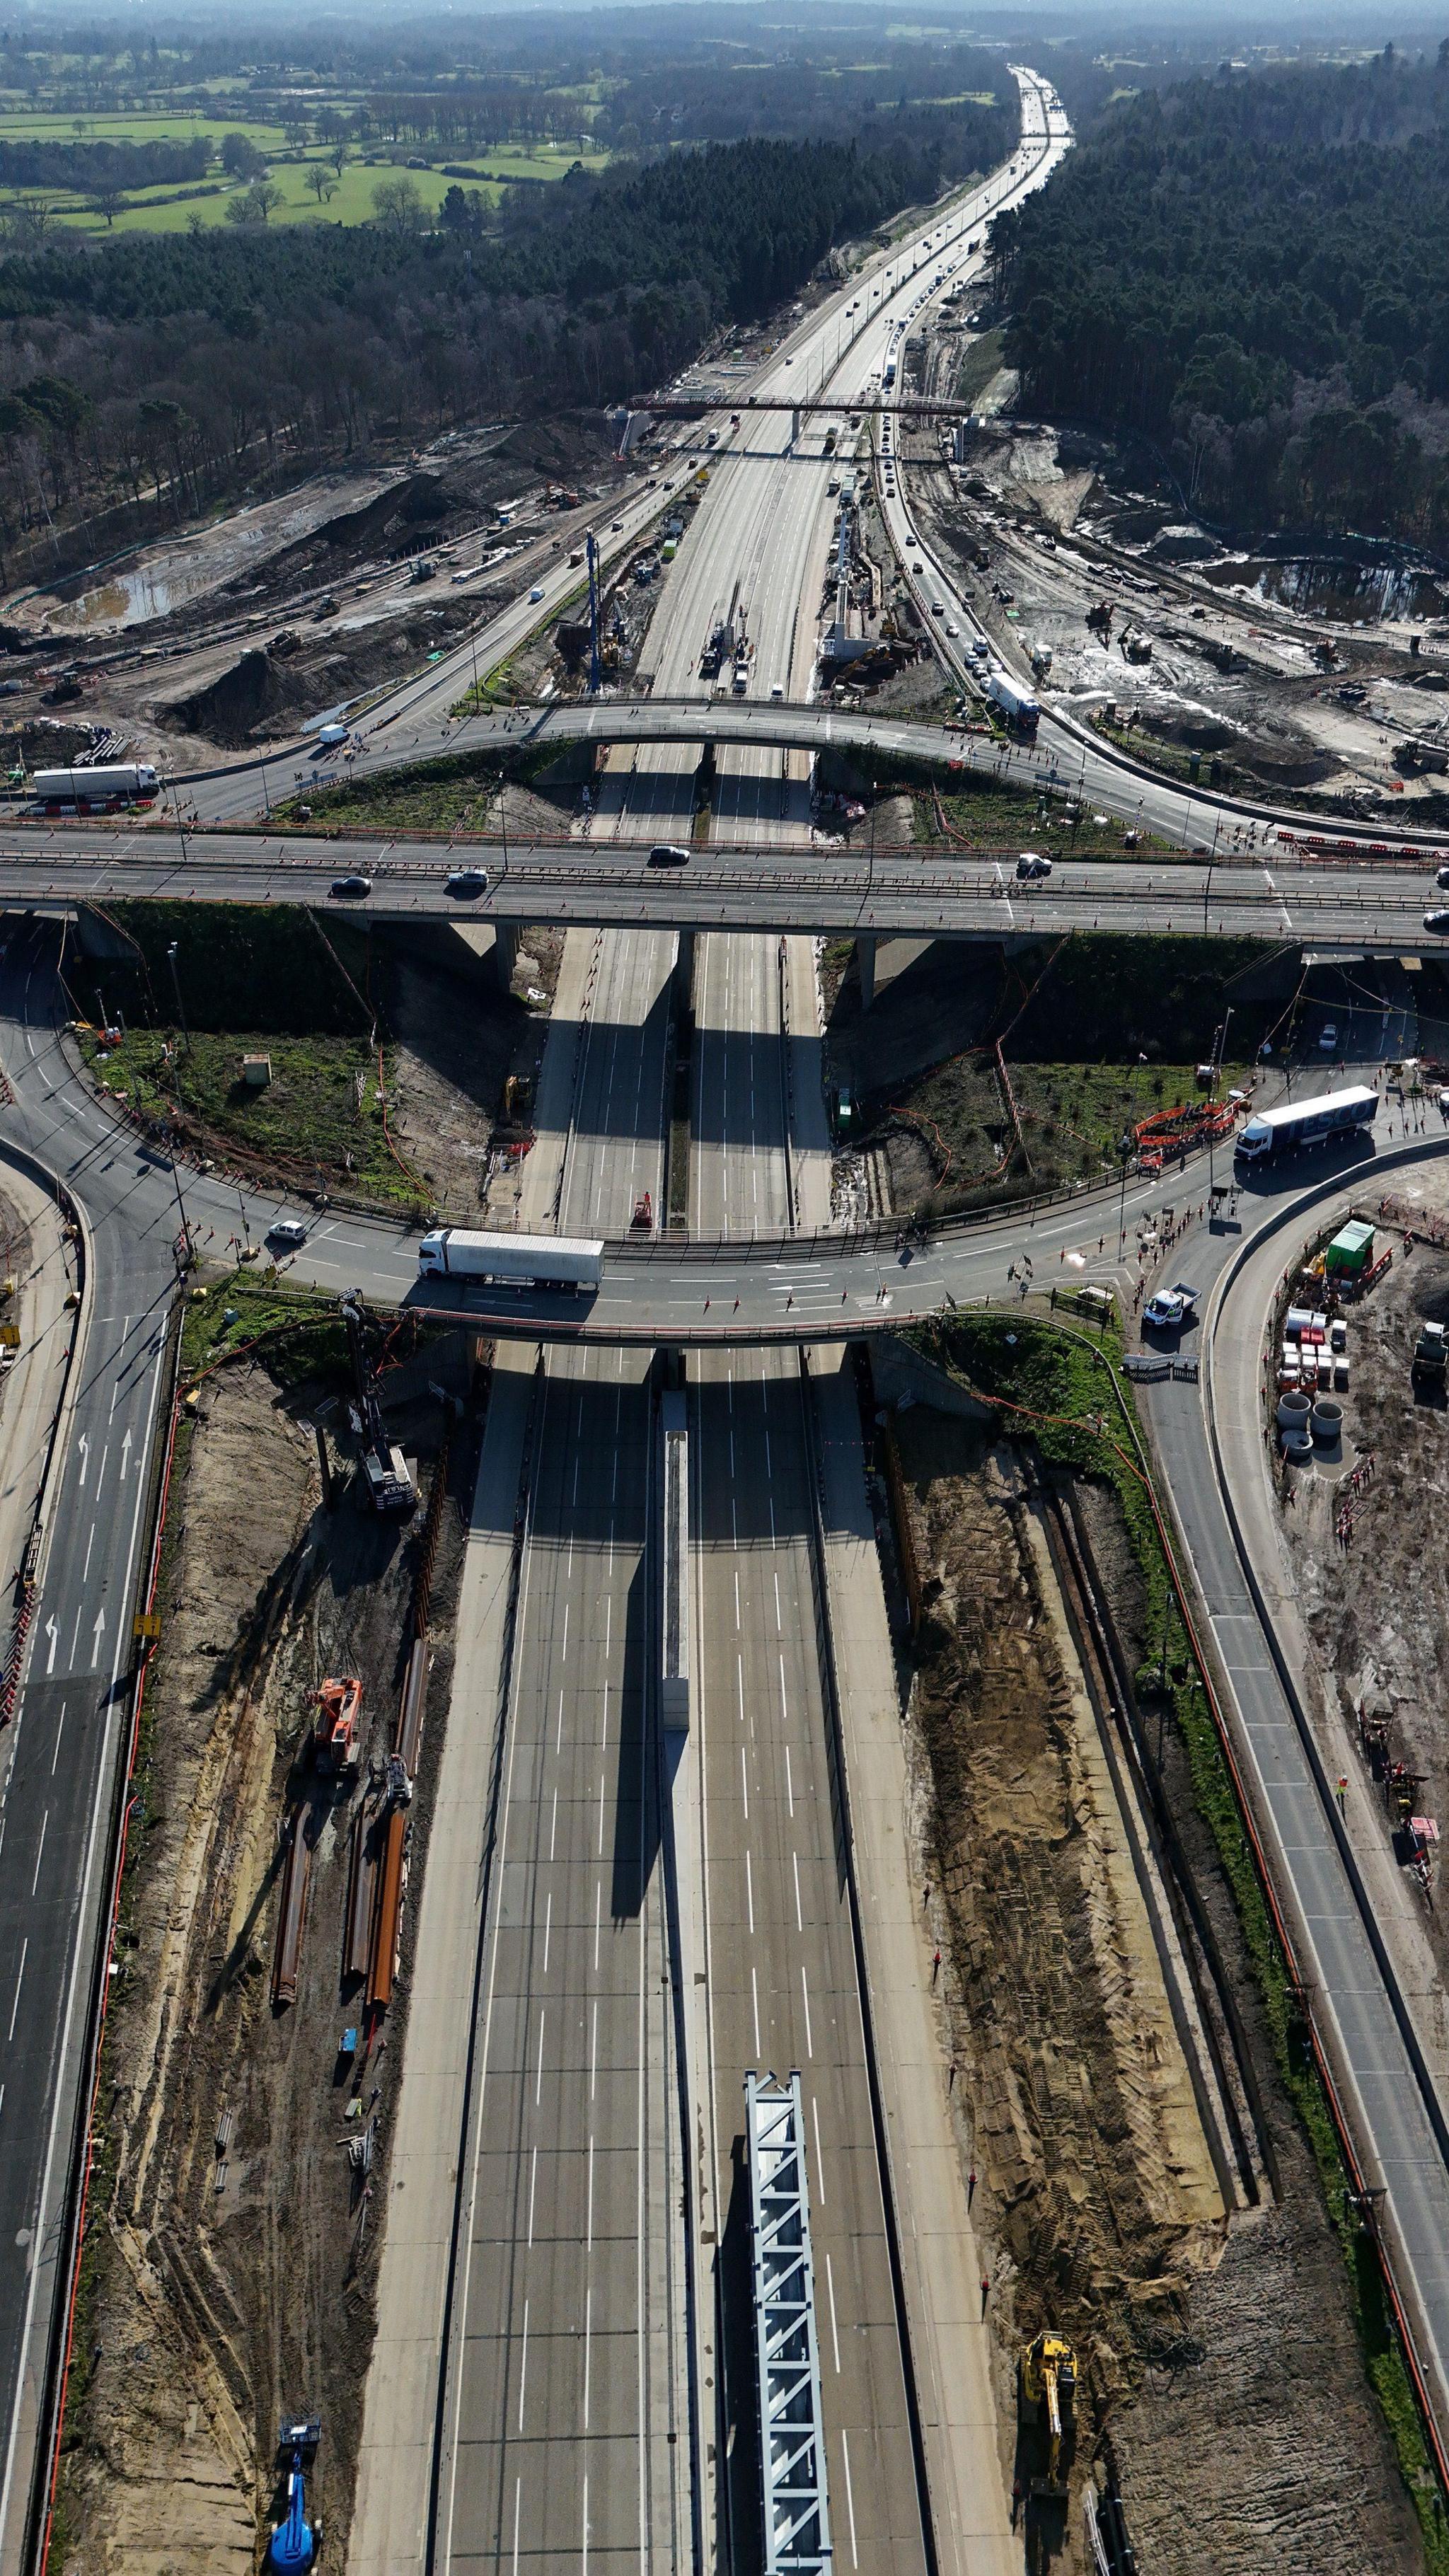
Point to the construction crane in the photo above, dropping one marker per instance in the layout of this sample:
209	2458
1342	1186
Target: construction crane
1048	2387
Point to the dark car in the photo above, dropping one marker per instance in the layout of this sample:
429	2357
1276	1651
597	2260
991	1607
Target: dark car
467	881
350	886
668	854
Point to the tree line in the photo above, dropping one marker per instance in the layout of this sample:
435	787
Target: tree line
175	365
1253	271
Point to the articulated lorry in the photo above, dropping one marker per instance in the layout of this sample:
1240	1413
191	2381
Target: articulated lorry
117	782
1014	699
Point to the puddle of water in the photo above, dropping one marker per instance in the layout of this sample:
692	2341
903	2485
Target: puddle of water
1334	586
129	598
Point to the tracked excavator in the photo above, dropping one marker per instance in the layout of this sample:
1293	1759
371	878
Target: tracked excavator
1048	2390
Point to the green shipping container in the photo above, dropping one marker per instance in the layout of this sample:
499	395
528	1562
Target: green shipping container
1351	1252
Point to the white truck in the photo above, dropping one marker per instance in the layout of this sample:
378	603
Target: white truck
511	1260
1306	1122
1016	702
116	782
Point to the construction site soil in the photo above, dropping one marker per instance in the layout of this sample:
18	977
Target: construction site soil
230	2266
1376	1607
1221	2373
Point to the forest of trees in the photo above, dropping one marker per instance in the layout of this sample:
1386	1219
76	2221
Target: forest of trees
98	168
191	359
1253	270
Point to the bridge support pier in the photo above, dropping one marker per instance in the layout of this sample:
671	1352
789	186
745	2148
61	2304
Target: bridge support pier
865	963
504	955
684	972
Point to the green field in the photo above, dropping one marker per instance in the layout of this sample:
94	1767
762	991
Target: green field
168	209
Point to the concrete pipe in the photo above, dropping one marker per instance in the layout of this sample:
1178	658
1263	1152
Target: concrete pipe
1327	1421
1294	1408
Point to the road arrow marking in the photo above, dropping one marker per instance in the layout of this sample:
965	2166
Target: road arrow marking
125	1457
53	1634
84	1446
98	1633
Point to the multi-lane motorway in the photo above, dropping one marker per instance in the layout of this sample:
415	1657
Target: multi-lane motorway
569	2418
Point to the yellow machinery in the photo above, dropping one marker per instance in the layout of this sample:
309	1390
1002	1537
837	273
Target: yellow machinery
1048	2386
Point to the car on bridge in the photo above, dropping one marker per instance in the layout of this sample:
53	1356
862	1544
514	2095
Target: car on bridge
467	882
1032	864
1438	922
669	854
350	888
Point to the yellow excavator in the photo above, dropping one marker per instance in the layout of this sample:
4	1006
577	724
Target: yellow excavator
1048	2388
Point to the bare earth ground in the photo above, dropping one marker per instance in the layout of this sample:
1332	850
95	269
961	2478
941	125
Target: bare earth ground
454	1046
1220	2364
228	2284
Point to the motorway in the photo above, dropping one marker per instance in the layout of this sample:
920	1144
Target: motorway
563	2409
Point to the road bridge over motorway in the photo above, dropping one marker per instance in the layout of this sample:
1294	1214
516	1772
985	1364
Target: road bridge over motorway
1350	905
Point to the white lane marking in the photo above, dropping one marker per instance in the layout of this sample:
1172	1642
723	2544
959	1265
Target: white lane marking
53	1633
15	2007
90	1543
588	2368
789	1781
558	1747
39	1850
517	2499
523	2366
594	2052
849	2495
598	1918
60	1722
819	2158
805	1991
601	1813
563	1652
755	1999
538	2086
834	2327
84	1446
553	1826
795	1865
532	2189
589	2236
101	1470
740	1681
547	1938
750	1894
745	1784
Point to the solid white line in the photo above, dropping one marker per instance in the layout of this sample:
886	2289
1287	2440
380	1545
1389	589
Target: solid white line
849	2496
39	1849
594	2051
15	2007
90	1543
60	1722
795	1865
523	2366
598	1918
805	1991
819	2158
538	2087
789	1782
532	2188
834	2326
755	1999
745	1784
750	1893
553	1826
517	2499
588	2352
589	2232
547	1937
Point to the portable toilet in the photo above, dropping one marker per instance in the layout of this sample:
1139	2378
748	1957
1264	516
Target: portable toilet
1351	1252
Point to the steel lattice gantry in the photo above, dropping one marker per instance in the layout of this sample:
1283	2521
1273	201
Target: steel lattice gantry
787	2351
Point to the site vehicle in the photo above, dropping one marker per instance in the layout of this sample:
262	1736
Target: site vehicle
1171	1308
511	1260
116	782
642	1220
1431	1355
1016	703
338	1704
1048	2391
330	735
1306	1122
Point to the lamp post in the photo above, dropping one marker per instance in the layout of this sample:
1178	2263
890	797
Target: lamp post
176	988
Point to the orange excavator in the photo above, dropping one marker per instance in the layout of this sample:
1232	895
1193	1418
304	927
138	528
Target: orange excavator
334	1736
